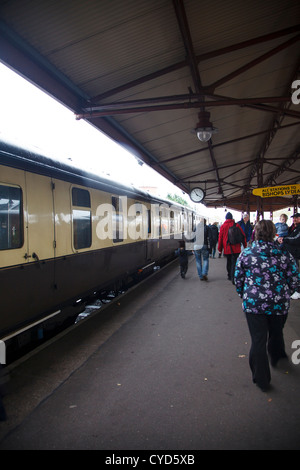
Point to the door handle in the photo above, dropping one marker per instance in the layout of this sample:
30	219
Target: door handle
35	256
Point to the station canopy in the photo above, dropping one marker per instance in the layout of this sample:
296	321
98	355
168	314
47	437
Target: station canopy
156	74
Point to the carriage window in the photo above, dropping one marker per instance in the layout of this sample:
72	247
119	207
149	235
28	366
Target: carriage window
81	197
11	217
164	221
82	220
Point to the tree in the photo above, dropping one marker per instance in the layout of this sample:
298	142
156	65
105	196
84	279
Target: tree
178	199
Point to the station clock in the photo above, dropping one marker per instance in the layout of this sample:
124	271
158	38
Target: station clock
197	194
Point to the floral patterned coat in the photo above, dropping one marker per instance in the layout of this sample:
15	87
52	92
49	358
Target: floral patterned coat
265	278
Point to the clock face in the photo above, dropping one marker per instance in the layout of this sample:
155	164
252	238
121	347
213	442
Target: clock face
197	195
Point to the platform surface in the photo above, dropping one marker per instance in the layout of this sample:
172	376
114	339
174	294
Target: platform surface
164	368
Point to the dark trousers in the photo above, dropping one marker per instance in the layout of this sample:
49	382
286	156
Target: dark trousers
266	333
183	269
230	265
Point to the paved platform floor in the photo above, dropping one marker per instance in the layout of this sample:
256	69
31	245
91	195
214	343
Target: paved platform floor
164	368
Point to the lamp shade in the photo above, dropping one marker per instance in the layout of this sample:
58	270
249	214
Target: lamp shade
204	129
203	135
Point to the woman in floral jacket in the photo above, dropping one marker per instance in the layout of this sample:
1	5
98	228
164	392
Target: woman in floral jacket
265	277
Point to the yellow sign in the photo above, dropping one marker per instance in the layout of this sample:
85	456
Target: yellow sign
272	191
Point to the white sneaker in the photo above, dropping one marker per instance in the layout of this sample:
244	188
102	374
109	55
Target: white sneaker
295	296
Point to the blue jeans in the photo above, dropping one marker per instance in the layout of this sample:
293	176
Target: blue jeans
202	261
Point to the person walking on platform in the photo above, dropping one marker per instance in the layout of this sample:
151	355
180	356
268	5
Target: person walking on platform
245	225
215	236
182	254
202	247
265	276
292	243
231	251
292	240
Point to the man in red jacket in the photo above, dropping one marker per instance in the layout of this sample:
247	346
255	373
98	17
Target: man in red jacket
230	251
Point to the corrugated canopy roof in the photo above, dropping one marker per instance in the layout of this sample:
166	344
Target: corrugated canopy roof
144	71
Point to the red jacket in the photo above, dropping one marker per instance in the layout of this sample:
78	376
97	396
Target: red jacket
223	237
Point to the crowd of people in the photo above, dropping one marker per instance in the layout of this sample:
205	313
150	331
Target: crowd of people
210	238
262	261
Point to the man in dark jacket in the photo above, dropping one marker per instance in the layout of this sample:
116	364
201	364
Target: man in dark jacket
245	225
292	241
215	236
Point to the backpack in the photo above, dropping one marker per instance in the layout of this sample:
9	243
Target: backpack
235	235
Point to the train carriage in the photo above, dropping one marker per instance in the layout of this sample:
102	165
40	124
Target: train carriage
65	233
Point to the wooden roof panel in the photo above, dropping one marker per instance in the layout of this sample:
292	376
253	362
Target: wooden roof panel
142	70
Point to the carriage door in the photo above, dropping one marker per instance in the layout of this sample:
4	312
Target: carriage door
39	220
149	241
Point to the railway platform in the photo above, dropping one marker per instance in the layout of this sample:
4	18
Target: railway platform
164	367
